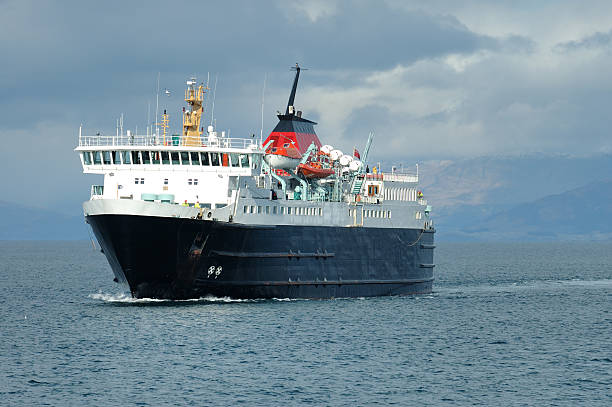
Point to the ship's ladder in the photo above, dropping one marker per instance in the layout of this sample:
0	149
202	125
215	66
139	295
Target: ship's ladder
357	183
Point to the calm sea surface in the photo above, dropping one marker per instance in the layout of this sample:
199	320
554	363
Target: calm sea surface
508	324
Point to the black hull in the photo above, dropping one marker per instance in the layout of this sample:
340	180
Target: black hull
177	258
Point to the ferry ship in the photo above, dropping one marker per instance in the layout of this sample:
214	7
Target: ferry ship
203	214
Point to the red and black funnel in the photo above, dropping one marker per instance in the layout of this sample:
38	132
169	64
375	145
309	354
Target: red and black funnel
292	129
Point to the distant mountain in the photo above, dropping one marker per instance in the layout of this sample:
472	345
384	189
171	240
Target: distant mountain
18	222
583	213
465	193
508	180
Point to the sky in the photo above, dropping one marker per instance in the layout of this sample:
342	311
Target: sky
432	80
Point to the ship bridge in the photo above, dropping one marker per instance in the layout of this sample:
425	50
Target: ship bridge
171	169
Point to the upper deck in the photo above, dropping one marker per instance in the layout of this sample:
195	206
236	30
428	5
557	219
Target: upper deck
158	142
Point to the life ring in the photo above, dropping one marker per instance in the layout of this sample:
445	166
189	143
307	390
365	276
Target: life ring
358	198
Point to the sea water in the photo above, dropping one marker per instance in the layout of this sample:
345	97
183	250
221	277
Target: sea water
508	324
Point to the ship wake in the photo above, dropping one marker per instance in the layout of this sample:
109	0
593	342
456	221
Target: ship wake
126	298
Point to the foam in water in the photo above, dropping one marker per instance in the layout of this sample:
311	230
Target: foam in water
128	299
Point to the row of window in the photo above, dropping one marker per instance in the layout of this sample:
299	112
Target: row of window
166	158
283	210
190	181
372	213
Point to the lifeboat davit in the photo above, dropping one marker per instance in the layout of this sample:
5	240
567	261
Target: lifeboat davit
314	170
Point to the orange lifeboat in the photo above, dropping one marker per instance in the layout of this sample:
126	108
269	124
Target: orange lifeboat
314	170
285	157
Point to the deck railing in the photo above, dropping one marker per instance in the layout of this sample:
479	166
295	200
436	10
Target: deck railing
99	140
406	177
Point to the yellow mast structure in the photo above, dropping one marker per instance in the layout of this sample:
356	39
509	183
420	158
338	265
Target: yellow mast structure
164	125
192	117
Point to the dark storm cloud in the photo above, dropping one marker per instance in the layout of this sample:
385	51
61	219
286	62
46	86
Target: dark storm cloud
597	40
69	59
69	41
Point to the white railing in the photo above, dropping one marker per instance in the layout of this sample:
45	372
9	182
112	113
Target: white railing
170	141
401	177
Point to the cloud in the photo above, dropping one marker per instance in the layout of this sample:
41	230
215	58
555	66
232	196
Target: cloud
314	9
596	40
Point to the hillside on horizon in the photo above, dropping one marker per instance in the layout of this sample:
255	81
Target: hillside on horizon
471	197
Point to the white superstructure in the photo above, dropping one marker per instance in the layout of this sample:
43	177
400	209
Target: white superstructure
223	178
146	168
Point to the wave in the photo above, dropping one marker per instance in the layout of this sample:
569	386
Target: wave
126	298
524	285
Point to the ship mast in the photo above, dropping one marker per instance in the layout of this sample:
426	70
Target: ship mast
192	117
293	89
164	125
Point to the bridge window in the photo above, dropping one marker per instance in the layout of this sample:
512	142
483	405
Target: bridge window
244	160
106	157
125	157
184	158
165	156
274	209
267	210
96	158
86	157
116	157
146	157
204	158
259	209
234	160
135	157
245	209
155	157
214	159
175	158
255	159
288	210
195	160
